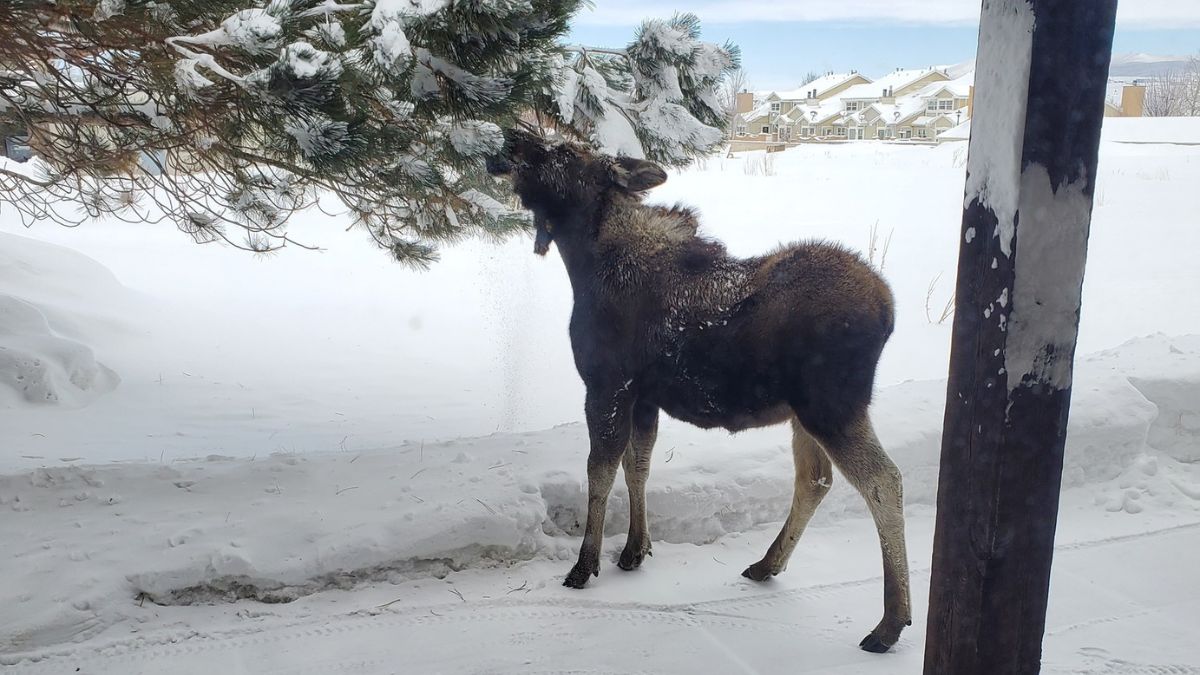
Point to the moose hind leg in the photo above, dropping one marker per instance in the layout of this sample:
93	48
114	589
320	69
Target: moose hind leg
814	477
859	456
637	470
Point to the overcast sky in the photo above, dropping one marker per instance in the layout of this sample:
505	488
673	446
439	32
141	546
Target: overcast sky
781	40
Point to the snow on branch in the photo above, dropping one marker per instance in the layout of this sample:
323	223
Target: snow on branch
658	98
228	116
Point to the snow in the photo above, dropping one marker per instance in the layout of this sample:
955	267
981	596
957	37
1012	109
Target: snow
1182	130
251	30
46	319
1000	97
473	138
107	9
392	51
33	169
318	137
305	61
1051	252
659	35
373	443
1134	130
565	87
821	84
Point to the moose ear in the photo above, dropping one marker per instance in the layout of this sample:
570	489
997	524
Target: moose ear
637	175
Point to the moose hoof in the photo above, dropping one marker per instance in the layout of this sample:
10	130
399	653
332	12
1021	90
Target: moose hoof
631	557
759	571
886	634
578	577
874	644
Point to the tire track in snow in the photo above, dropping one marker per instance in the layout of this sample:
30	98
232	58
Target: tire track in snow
720	613
1101	662
177	646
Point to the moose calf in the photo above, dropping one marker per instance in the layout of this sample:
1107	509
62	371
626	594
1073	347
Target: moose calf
666	320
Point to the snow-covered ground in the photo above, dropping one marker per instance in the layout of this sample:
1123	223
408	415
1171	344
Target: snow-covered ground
399	455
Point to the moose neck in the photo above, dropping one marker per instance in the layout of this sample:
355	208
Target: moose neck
575	237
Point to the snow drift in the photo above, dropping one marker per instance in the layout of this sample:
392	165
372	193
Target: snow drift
53	304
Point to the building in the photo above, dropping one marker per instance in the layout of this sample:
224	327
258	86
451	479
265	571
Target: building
1125	98
905	104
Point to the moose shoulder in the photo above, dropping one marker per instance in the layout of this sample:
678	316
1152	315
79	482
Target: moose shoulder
665	319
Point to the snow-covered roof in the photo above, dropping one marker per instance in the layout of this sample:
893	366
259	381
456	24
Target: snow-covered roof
959	87
899	79
895	80
762	110
907	106
825	110
822	84
927	120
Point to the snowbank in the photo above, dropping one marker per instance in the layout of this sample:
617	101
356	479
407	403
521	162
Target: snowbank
1147	130
39	367
87	541
53	304
1168	130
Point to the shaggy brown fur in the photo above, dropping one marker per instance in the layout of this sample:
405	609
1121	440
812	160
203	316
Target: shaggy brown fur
665	319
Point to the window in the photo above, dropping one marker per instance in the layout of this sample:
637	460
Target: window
16	148
741	130
945	104
825	131
766	129
932	106
806	131
775	107
921	133
841	131
852	106
906	133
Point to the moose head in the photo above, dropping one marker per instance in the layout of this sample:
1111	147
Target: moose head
561	181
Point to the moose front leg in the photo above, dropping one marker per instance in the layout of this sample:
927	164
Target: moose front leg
609	413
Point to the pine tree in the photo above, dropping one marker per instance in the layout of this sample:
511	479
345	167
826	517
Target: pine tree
228	116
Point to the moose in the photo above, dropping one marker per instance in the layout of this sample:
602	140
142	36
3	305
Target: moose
665	320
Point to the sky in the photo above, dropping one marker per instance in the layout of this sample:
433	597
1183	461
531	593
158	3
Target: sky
781	40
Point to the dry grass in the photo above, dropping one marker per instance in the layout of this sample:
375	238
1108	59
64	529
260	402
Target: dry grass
759	166
947	309
874	250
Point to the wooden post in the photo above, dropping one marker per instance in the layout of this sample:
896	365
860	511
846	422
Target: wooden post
1041	72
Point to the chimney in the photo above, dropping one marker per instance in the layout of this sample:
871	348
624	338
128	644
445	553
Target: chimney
745	102
1133	100
970	101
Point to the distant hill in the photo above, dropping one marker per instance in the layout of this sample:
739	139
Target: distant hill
1144	65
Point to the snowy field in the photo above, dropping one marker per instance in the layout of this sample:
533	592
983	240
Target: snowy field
322	462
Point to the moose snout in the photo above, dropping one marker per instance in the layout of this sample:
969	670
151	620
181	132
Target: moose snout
520	146
498	164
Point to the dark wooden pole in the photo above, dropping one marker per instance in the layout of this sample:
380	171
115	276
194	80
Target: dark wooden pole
1041	72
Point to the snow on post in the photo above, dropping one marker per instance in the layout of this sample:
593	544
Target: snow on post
1040	85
